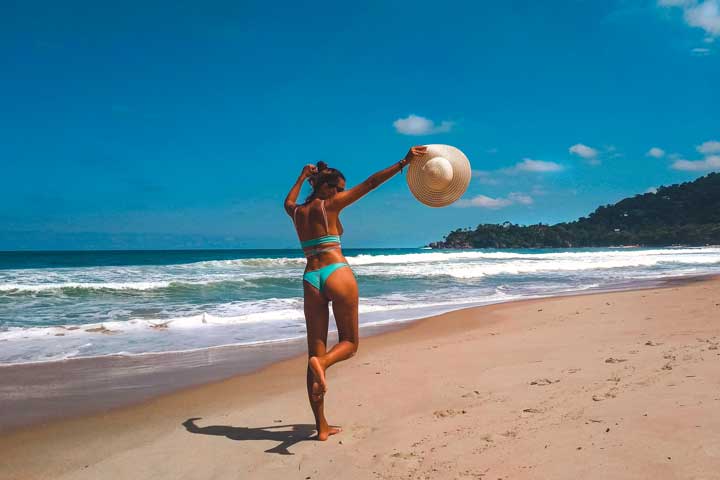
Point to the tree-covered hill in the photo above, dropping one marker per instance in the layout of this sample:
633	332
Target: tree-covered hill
682	214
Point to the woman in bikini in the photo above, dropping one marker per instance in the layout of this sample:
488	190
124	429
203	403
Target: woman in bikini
328	277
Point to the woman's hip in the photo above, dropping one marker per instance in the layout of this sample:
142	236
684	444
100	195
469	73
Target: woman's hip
332	279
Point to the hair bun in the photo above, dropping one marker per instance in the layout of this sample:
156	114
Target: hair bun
321	166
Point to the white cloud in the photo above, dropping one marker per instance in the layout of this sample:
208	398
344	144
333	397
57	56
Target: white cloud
709	149
651	190
538	190
656	152
700	52
708	163
527	165
530	165
483	201
417	125
700	14
588	153
520	198
612	151
711	146
675	3
705	15
484	177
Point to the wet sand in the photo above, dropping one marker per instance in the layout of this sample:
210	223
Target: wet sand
40	392
609	385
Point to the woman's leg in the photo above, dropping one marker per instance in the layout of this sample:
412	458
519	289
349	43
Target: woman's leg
341	288
316	320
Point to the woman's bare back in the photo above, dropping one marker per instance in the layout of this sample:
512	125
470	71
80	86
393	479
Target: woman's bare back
310	220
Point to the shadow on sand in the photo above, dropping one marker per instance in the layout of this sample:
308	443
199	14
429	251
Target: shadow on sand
287	435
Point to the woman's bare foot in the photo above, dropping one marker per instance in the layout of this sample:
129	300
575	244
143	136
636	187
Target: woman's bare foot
324	433
318	372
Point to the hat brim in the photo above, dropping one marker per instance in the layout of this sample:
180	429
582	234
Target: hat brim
431	197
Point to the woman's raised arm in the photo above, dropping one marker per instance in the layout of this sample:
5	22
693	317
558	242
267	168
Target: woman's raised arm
348	197
291	199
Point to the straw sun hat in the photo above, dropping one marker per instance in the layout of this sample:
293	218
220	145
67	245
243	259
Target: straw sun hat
439	177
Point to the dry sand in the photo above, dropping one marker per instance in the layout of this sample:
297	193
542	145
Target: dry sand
621	385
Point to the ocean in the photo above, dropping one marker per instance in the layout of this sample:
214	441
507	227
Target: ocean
60	305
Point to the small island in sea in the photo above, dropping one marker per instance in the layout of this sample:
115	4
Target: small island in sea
681	214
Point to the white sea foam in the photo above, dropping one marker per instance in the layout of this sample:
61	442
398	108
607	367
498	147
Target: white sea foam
11	287
278	310
191	333
249	262
464	264
119	286
444	256
540	263
440	256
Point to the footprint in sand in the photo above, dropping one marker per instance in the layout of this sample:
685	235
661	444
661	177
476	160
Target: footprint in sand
403	455
532	410
615	360
543	381
448	413
612	393
473	394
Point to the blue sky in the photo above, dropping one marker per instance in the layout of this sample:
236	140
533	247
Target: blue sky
183	124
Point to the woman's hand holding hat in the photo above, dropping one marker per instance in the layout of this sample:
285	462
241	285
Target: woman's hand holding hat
414	153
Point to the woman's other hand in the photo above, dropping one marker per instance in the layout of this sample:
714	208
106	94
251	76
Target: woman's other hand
309	170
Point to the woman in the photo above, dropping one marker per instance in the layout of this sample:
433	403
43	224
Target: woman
328	277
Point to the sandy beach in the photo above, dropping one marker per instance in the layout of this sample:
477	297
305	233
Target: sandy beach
620	385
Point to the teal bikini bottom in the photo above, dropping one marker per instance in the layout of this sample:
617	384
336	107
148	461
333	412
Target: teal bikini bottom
317	278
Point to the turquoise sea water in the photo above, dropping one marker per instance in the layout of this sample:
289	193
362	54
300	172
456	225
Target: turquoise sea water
57	305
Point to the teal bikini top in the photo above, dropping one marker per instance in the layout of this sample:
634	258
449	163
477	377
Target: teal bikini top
319	241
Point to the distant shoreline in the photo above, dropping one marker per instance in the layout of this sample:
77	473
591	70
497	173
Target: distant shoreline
683	214
430	246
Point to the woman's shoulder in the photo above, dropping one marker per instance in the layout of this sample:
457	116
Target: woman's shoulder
307	207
